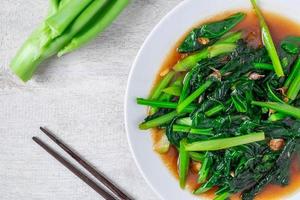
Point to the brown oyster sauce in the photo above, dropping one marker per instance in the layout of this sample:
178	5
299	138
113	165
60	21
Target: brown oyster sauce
280	27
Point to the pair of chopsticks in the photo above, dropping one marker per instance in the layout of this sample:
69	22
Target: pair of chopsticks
99	176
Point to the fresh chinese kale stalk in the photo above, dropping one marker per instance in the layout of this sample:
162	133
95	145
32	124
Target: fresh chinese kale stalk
232	107
69	25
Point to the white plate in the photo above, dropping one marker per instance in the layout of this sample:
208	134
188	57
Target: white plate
146	65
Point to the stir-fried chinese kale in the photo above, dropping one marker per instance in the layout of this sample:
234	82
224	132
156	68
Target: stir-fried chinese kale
232	107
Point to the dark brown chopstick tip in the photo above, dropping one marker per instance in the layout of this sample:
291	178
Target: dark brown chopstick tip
43	129
35	139
50	135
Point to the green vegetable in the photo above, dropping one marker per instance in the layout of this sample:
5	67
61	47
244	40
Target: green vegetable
197	156
210	52
263	66
59	29
238	102
174	137
278	174
276	117
205	168
164	82
184	160
158	121
223	196
273	96
162	104
61	20
291	44
268	41
294	73
193	96
230	37
280	107
62	3
92	30
217	144
294	88
293	81
185	87
175	88
53	6
182	128
209	32
214	110
187	121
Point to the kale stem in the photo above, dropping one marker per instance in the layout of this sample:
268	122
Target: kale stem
85	17
211	51
294	73
202	190
181	128
187	121
216	109
175	88
201	131
193	96
184	160
59	22
223	196
264	66
188	129
102	20
294	88
268	41
53	7
163	104
279	107
231	37
164	82
185	87
196	156
205	168
62	3
158	121
190	61
224	143
276	117
293	81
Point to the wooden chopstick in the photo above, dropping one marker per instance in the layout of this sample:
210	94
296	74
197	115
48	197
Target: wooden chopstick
112	187
73	169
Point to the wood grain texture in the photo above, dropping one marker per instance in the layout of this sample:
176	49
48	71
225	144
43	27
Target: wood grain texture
79	97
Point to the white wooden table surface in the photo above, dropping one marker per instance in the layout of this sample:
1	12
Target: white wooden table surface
79	97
